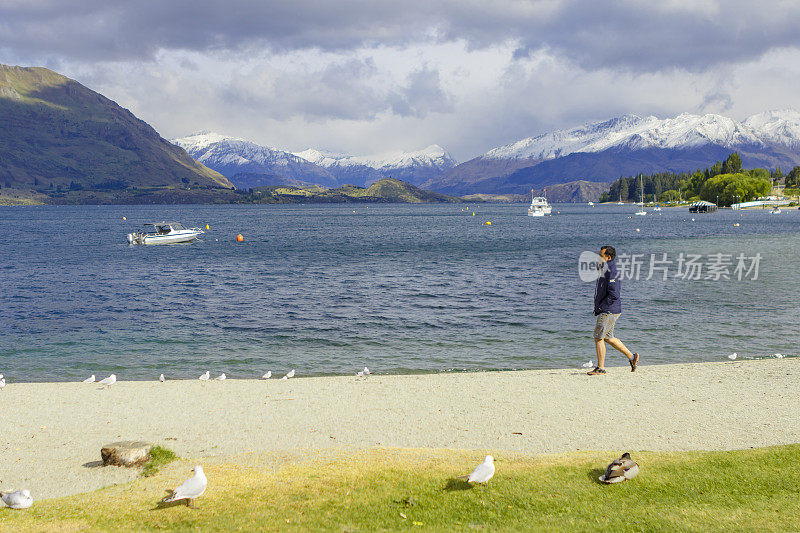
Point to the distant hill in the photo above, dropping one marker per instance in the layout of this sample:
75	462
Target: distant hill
62	139
387	190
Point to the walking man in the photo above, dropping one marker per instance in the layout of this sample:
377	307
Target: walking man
607	308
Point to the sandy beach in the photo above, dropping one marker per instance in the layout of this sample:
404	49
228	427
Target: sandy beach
52	432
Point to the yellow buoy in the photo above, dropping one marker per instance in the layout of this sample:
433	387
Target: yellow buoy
488	222
354	210
123	218
207	226
473	213
239	237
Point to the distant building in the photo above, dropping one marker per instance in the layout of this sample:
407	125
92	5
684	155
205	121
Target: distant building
703	207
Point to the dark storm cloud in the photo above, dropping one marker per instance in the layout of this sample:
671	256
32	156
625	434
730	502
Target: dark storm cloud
636	35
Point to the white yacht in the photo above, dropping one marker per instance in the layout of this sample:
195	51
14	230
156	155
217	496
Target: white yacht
539	206
641	210
775	210
164	233
590	204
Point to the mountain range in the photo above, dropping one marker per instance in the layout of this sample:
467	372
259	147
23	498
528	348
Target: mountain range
627	145
585	158
249	165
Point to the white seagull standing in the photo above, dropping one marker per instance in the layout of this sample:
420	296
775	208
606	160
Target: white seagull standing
2	383
90	379
205	377
267	375
161	378
290	374
732	356
20	499
587	365
221	377
110	380
483	472
192	488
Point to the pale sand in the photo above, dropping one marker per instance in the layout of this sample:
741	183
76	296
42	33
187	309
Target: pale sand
51	430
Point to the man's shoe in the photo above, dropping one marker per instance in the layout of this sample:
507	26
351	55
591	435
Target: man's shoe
634	361
597	370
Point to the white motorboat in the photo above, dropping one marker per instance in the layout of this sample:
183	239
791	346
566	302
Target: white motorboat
775	210
590	204
641	210
657	208
539	206
164	233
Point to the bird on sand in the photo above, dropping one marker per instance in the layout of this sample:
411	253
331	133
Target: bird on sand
90	379
587	365
161	378
620	469
192	488
2	383
20	499
733	356
110	380
206	376
364	373
290	374
221	377
267	375
483	472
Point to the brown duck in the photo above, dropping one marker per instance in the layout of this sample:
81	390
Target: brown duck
620	470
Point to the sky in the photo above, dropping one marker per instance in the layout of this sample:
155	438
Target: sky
375	76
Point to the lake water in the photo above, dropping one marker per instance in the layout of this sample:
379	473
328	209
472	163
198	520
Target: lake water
399	288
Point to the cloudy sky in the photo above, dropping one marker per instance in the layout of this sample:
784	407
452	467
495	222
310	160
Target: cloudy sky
371	76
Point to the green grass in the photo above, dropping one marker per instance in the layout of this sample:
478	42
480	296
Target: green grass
159	456
388	489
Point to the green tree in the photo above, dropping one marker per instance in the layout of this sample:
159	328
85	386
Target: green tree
668	196
793	178
730	187
732	165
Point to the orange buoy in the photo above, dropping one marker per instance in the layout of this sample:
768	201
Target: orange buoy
239	238
123	218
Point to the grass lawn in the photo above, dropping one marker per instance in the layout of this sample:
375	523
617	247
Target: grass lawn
416	489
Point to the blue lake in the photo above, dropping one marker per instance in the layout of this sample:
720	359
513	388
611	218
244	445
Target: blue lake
399	288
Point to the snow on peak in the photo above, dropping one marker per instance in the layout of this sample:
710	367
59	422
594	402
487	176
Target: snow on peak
635	132
433	155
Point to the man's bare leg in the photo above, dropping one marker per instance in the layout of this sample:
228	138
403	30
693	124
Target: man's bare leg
600	348
617	345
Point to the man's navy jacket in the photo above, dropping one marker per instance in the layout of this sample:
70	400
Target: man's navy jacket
606	293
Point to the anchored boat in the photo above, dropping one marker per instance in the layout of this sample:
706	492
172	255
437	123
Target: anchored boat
164	233
539	206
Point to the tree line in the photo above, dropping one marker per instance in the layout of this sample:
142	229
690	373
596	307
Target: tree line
724	183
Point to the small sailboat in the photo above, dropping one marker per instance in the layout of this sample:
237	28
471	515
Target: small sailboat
641	210
539	206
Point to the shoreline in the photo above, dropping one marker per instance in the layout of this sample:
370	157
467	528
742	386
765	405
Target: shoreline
52	432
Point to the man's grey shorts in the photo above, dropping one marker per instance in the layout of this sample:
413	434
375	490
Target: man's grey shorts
605	325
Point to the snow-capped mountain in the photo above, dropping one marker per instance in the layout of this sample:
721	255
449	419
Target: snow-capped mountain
626	145
413	167
247	164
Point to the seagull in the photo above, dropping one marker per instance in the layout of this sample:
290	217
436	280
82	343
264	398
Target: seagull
161	378
221	377
483	472
2	383
192	488
364	373
620	470
206	376
588	365
732	356
1	376
267	375
90	379
779	356
289	375
110	380
20	499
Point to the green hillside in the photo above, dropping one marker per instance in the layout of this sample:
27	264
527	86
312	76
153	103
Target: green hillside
63	140
387	190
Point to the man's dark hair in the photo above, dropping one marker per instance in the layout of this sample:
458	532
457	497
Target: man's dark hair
609	251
